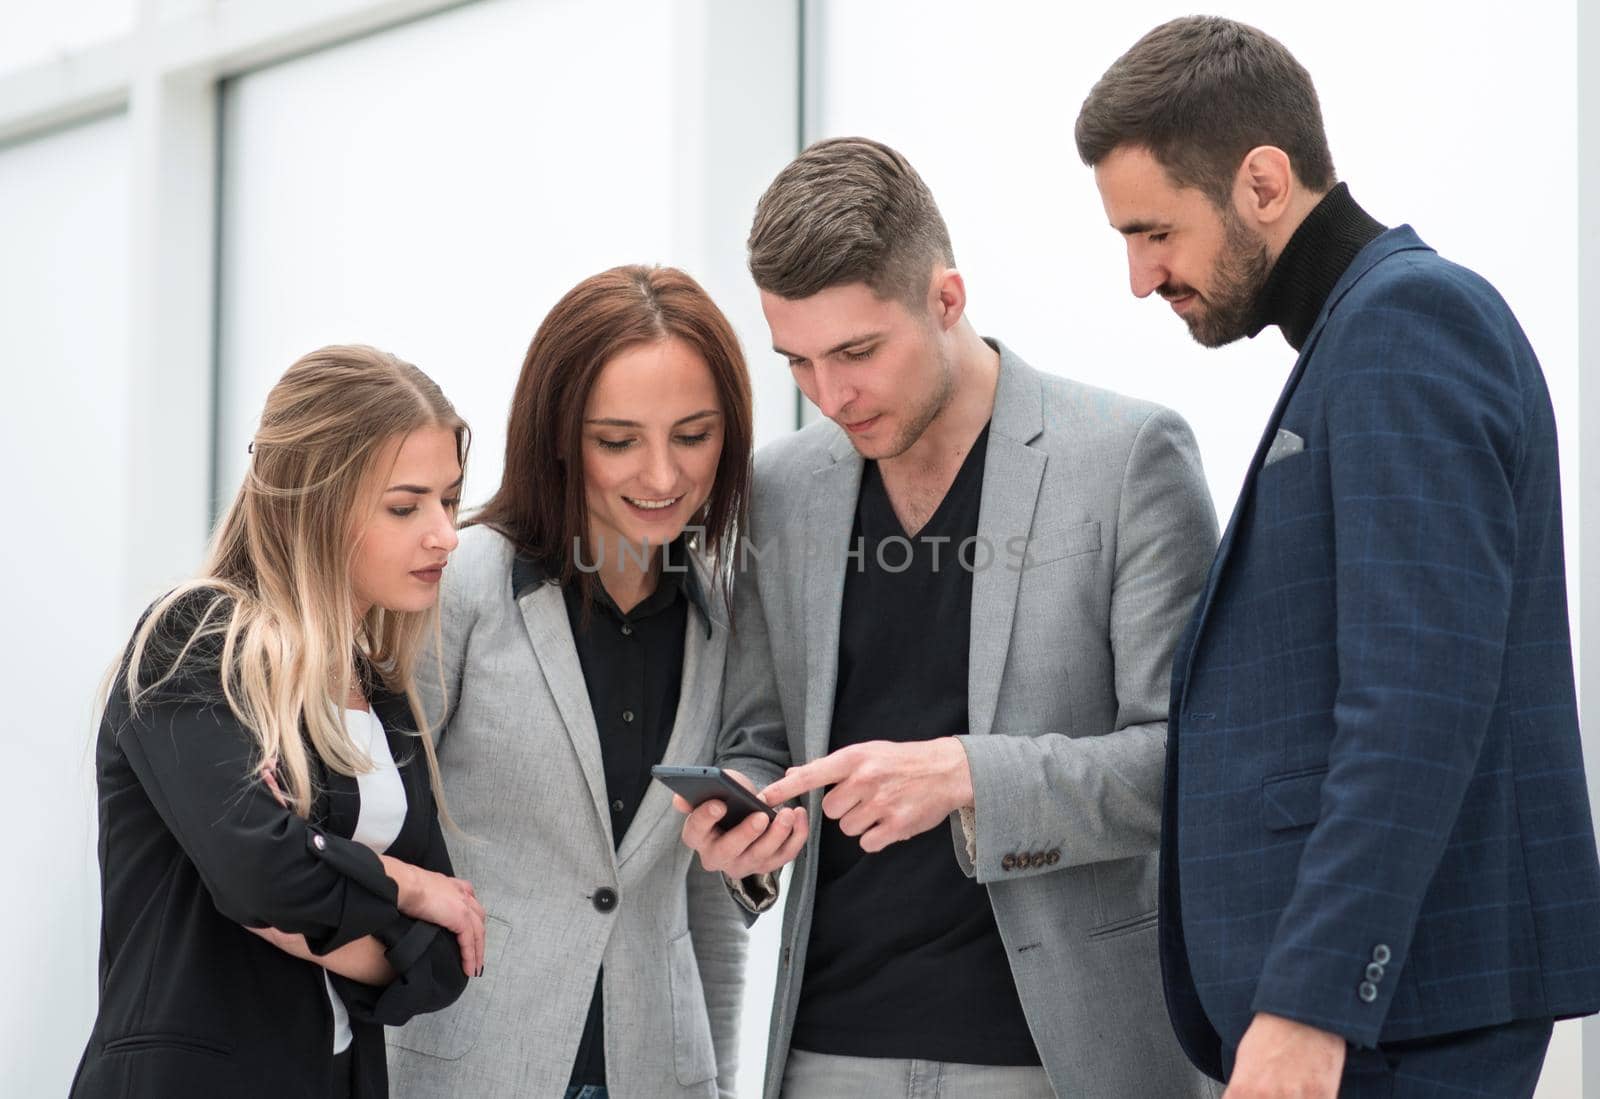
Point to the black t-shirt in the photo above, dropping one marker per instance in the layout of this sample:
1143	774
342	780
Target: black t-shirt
905	959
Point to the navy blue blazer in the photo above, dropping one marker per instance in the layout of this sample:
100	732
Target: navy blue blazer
1376	817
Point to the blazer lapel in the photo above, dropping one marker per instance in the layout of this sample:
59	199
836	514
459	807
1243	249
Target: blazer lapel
1401	239
1012	474
830	518
544	613
691	725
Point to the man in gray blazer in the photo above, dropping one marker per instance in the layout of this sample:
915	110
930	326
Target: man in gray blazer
957	606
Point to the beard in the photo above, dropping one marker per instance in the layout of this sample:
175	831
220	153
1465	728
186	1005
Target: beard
1227	310
923	413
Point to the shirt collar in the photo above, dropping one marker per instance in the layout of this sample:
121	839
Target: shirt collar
678	571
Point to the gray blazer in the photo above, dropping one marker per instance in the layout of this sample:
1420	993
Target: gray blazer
1101	529
523	778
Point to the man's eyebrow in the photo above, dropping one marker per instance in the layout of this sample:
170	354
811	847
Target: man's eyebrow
865	337
610	421
423	490
1134	228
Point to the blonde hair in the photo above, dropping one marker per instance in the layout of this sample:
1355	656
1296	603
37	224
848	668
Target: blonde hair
275	594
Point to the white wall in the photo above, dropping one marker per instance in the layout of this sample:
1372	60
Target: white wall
436	188
32	32
63	357
1456	119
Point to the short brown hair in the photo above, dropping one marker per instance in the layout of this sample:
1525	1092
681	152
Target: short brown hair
1200	92
846	210
540	504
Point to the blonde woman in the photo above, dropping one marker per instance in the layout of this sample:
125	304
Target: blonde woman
274	881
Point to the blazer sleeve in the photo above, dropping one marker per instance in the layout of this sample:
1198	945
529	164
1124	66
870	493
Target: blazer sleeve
717	927
1096	795
1424	421
425	957
262	864
753	740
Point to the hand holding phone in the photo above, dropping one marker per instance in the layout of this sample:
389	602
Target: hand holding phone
733	830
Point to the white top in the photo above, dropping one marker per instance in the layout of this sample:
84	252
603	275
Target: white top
379	818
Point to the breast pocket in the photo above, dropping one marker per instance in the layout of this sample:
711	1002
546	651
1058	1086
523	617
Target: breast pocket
694	1056
450	1034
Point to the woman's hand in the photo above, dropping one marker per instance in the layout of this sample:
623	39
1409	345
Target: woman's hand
422	895
443	900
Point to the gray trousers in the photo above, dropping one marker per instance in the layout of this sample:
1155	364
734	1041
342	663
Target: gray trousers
826	1076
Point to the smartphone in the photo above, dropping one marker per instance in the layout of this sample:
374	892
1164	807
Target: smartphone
699	785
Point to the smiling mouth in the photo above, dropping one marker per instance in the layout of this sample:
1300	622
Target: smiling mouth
652	505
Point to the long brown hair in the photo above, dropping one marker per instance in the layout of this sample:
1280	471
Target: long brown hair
275	593
540	504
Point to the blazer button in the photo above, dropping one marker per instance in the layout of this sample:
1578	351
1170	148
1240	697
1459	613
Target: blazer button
1054	856
319	842
605	899
1368	992
1009	862
1374	972
1380	954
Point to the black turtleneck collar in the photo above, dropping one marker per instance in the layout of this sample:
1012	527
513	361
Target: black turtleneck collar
1311	265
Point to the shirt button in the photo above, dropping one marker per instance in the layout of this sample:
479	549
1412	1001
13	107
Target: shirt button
605	899
627	630
616	806
1368	991
627	715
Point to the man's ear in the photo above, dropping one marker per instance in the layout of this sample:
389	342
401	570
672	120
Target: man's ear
947	297
1264	186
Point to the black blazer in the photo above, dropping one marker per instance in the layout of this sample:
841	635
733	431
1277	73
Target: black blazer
192	846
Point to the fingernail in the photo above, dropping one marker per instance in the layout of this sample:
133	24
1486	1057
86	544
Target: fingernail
717	810
480	971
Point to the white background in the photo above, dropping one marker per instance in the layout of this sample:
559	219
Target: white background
63	366
433	189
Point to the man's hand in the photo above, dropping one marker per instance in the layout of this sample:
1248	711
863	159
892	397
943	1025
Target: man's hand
884	791
756	845
1282	1059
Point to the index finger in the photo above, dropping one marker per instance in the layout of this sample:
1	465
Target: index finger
826	771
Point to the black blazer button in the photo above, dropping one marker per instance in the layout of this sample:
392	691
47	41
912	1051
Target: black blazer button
605	899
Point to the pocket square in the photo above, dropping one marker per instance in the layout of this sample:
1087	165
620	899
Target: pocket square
1284	444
